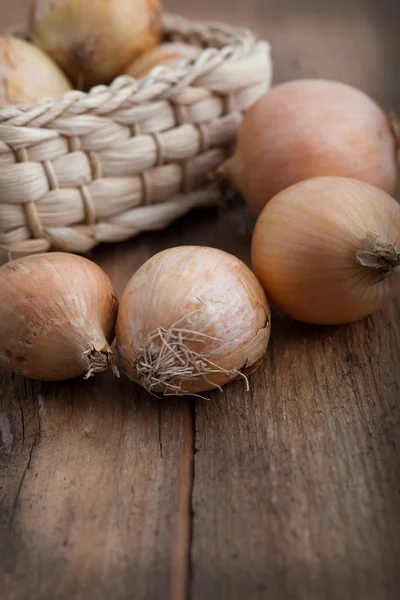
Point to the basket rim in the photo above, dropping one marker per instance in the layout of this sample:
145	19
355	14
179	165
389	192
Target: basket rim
235	44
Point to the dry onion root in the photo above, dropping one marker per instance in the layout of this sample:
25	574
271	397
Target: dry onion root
167	54
27	74
311	128
94	40
192	319
327	250
58	313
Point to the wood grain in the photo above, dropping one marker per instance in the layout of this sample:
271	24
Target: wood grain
297	486
291	491
95	497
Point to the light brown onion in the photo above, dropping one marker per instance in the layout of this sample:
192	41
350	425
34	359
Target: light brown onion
94	40
192	319
165	54
327	250
27	74
57	317
311	128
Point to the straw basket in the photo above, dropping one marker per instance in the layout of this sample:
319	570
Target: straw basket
130	157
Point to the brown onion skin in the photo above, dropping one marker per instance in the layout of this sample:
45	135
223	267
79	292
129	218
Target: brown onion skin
307	242
224	298
167	54
54	307
94	40
27	74
312	128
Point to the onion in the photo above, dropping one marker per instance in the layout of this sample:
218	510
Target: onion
93	41
192	319
311	128
327	250
57	317
164	54
27	74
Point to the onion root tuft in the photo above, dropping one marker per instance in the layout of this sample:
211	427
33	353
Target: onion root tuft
167	361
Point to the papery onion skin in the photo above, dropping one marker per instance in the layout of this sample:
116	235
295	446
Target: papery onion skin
311	128
203	292
27	74
94	40
57	317
167	54
312	244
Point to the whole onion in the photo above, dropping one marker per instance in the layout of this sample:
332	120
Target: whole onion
27	74
57	317
192	319
311	128
164	54
327	250
94	40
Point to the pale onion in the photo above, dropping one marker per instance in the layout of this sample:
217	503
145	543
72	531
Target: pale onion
27	74
165	54
93	40
57	317
311	128
192	319
327	250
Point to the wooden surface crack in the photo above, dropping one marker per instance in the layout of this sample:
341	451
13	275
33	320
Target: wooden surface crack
22	423
180	564
160	444
35	442
25	471
191	499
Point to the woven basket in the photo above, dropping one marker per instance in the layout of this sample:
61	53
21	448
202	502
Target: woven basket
130	157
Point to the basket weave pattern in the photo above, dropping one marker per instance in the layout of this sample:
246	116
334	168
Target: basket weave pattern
130	157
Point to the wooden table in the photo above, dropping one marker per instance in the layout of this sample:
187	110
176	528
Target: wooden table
291	491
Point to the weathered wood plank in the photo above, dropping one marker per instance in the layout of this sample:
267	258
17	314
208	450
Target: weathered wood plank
95	492
297	485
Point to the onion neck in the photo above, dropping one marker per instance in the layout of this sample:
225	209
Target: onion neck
99	360
377	254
